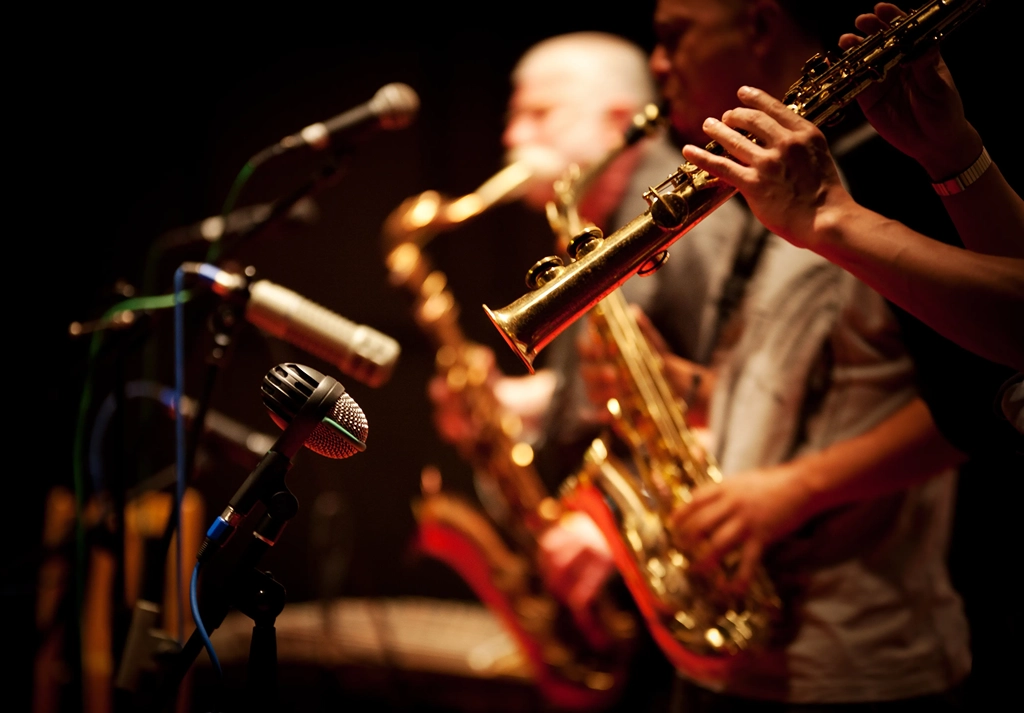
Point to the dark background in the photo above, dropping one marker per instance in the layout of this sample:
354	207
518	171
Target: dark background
142	131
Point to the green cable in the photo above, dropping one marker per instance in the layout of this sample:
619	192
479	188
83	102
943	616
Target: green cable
229	204
78	475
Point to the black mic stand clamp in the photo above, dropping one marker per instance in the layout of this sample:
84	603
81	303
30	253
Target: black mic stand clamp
261	598
257	595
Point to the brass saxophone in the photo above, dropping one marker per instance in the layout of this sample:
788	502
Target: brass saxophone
563	293
578	665
697	618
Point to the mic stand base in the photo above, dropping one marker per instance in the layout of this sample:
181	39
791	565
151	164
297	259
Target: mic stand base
262	601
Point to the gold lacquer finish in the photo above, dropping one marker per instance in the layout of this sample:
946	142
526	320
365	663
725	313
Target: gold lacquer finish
578	663
687	196
698	613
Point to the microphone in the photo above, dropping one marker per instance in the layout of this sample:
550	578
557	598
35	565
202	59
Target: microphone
338	425
314	412
359	351
240	221
393	107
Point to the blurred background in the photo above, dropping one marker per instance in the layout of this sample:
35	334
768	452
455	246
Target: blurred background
152	132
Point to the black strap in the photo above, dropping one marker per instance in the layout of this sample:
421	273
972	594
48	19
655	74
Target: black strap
748	254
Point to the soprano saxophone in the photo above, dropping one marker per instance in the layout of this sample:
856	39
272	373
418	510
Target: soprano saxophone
696	618
577	664
563	293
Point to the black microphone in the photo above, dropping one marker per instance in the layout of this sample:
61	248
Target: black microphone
314	411
393	107
238	222
359	351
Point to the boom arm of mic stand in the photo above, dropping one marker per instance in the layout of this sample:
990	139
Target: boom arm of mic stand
327	176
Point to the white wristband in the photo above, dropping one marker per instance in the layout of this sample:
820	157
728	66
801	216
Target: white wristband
962	180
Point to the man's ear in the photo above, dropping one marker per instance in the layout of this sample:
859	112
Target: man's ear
766	24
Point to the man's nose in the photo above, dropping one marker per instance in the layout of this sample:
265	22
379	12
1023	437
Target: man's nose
517	132
659	63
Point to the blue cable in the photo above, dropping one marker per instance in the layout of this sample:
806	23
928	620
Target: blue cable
194	601
179	422
133	390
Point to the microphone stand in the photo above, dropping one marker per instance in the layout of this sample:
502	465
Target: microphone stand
253	592
257	595
327	176
147	643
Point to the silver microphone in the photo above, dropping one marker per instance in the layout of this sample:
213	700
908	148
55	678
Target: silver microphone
359	351
394	106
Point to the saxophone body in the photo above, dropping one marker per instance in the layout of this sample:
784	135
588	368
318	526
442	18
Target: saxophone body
578	665
562	293
698	620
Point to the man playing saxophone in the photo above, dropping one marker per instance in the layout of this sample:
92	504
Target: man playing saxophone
812	385
975	296
576	95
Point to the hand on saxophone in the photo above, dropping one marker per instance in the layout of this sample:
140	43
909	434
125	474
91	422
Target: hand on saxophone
788	177
575	563
917	108
454	391
747	513
464	399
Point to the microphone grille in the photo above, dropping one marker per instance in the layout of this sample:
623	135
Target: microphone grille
395	105
286	390
328	441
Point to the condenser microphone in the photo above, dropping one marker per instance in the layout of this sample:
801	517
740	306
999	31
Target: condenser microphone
359	351
394	106
314	412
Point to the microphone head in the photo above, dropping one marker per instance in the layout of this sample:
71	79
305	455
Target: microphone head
395	105
286	390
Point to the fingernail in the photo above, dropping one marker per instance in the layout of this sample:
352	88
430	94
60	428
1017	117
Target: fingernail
710	121
744	91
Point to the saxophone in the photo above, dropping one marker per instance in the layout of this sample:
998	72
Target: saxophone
562	293
578	664
696	618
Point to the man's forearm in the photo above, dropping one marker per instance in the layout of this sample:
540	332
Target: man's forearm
989	215
976	300
904	450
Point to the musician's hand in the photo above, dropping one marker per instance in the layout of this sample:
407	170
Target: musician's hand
575	562
788	177
917	108
452	392
599	371
460	413
747	512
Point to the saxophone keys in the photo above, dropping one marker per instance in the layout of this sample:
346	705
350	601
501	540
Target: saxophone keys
585	243
550	510
668	210
654	264
543	271
599	680
522	455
